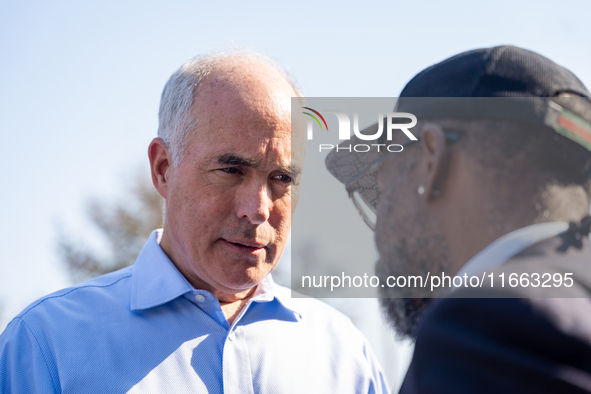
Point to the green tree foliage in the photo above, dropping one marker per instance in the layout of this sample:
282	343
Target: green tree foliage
124	225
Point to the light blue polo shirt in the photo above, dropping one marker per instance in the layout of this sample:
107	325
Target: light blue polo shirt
145	329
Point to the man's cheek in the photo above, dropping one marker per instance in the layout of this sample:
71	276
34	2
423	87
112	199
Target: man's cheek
280	216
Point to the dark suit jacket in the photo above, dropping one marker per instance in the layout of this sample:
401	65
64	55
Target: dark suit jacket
533	344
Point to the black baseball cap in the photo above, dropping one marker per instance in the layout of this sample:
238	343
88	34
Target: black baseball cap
504	82
503	71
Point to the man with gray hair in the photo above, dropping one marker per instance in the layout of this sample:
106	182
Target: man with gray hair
198	311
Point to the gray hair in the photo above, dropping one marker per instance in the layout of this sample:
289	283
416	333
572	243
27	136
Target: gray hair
180	90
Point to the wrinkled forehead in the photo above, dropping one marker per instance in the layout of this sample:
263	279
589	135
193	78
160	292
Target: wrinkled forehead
243	103
248	106
243	140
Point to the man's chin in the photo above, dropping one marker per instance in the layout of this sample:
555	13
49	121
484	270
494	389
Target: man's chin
244	280
400	307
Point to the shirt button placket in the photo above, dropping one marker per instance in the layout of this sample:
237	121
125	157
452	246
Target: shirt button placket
236	364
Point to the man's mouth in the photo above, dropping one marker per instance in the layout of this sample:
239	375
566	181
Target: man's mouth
245	246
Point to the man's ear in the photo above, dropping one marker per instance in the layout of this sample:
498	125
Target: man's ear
160	165
434	151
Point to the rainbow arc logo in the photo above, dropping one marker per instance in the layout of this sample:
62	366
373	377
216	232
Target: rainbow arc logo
315	118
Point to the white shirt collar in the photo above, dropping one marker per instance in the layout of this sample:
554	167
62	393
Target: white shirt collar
507	246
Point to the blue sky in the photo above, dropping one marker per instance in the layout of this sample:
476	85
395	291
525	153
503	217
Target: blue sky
80	85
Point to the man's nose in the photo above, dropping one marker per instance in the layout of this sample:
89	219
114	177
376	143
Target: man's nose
253	203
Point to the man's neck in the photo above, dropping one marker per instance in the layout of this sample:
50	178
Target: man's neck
233	308
230	302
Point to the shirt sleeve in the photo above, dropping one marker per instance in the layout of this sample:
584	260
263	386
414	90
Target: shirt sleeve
23	368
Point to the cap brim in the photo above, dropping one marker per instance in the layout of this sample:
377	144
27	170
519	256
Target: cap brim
344	163
348	160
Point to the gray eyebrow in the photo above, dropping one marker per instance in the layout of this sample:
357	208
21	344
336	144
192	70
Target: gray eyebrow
292	170
232	159
235	160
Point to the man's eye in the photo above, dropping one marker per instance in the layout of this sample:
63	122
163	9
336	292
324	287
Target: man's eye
230	170
283	178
